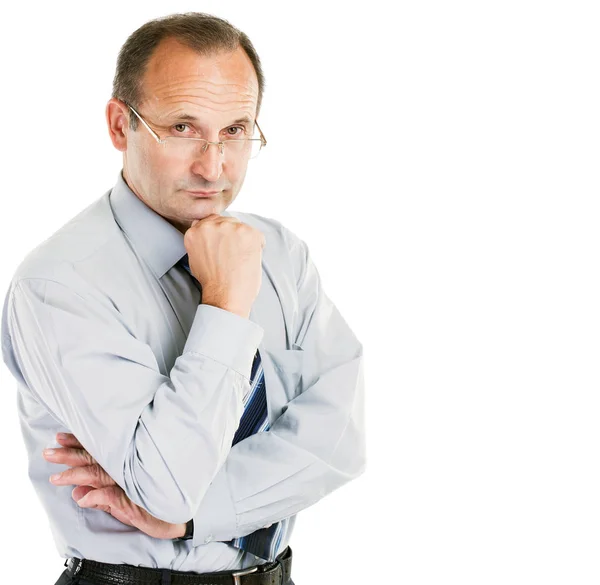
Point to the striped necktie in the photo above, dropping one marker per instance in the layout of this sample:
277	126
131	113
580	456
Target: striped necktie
263	543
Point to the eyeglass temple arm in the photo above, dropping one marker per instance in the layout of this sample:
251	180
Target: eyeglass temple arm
156	136
262	136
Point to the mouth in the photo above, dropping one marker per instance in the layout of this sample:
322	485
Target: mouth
203	194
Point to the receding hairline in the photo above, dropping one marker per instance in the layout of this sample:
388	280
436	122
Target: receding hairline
253	80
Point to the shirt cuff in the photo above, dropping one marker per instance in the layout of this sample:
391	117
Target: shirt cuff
215	519
225	337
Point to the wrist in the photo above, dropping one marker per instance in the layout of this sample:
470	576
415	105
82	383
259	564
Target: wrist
177	531
226	307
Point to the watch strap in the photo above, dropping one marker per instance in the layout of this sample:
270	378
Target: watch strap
189	530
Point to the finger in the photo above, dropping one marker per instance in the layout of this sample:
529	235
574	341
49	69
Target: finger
80	491
218	218
114	501
210	216
68	440
106	496
69	456
92	475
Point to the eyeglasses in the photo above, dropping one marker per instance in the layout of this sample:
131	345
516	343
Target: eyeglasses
187	146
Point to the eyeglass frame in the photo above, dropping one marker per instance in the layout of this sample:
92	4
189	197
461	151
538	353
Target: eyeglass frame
220	143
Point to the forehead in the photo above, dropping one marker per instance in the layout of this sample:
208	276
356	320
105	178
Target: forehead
177	77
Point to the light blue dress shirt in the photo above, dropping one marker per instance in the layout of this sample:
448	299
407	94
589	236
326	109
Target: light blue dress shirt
104	333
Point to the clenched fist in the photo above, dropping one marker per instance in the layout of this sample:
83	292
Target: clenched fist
225	256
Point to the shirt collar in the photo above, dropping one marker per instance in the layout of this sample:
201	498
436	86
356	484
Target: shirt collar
158	242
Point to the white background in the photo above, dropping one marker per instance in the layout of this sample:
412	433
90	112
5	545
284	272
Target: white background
441	161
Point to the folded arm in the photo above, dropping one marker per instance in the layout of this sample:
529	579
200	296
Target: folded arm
161	438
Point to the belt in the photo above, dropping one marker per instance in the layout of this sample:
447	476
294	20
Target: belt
277	572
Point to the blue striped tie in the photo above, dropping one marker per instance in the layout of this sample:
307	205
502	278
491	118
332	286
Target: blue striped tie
263	543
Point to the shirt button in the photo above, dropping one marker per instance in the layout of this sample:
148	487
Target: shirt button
208	539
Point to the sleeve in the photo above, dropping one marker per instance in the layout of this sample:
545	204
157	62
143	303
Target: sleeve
315	446
144	428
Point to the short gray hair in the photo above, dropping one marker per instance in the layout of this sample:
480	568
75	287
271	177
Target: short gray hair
204	33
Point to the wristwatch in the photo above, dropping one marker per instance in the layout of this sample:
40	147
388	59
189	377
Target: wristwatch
189	530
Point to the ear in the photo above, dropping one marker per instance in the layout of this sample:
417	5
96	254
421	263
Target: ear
117	118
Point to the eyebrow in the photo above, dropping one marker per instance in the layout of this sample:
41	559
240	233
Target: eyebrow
190	118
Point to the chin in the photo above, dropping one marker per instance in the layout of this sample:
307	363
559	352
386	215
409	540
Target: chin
208	206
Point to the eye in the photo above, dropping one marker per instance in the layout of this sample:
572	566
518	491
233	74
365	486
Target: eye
241	128
179	126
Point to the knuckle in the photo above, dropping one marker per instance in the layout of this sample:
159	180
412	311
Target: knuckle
246	231
113	495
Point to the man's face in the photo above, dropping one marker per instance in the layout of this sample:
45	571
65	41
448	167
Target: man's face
186	94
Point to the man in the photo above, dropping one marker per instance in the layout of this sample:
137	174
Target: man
199	385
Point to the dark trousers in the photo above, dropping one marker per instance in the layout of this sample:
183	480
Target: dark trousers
64	579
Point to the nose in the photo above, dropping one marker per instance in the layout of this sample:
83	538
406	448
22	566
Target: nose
208	162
